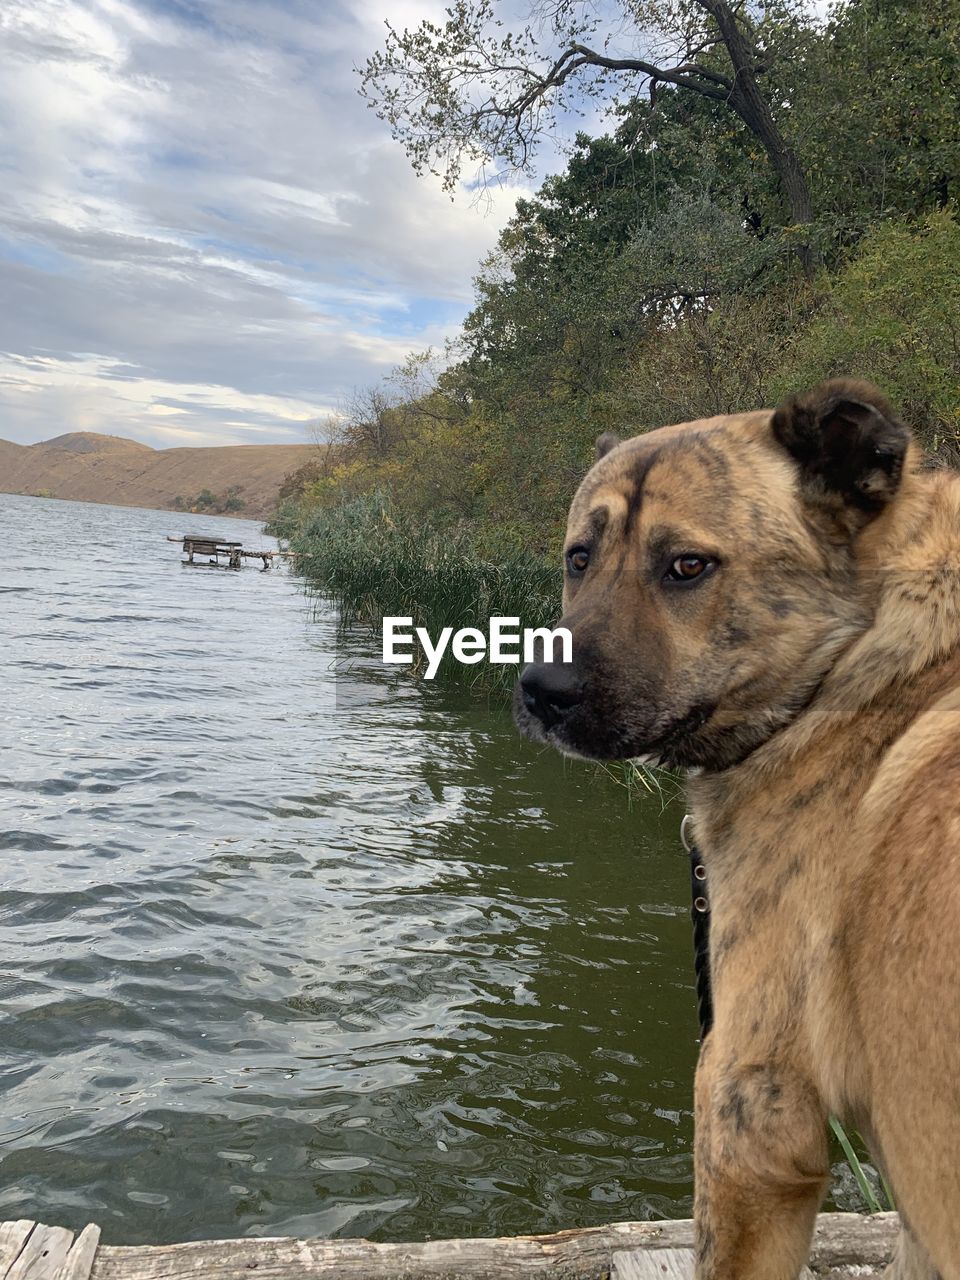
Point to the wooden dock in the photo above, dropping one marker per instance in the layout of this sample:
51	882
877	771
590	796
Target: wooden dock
212	550
847	1245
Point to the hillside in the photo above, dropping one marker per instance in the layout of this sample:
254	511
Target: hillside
93	442
88	467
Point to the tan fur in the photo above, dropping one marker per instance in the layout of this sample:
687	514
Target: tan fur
825	792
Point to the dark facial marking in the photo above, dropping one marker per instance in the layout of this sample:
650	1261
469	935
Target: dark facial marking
641	470
714	461
731	636
597	521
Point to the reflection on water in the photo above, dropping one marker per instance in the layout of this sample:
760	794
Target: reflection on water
274	961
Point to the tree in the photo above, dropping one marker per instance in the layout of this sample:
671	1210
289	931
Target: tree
878	112
469	90
629	239
232	500
317	466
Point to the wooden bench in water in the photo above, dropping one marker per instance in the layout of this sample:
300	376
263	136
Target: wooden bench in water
846	1245
204	544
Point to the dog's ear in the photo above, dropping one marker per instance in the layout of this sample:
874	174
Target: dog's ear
848	441
609	440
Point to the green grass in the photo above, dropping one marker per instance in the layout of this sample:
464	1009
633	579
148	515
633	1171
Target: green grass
853	1160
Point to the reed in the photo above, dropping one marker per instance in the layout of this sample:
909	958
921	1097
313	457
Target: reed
373	564
871	1198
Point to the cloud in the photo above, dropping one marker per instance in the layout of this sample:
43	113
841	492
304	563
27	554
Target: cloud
204	233
91	393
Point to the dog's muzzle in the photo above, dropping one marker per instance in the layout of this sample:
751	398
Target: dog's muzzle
550	691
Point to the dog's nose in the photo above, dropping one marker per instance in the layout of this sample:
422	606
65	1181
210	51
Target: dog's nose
550	690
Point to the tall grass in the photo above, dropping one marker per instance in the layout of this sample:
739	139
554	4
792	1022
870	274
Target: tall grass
870	1197
373	563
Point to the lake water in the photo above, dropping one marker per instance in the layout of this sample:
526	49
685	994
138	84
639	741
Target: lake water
277	961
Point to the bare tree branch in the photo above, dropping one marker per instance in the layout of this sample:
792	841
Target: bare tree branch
468	90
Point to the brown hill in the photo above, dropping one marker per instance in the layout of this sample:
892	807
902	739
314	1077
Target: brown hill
92	442
8	453
88	467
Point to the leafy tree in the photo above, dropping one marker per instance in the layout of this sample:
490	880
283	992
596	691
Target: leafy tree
653	280
877	108
892	314
471	90
295	482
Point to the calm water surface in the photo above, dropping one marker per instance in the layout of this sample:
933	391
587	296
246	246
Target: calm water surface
277	961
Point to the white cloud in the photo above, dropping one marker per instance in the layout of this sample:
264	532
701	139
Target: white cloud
200	199
91	393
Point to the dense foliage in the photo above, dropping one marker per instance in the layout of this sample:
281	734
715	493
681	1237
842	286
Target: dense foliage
657	279
217	504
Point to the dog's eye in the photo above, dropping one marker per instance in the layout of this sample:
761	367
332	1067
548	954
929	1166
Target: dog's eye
689	568
577	559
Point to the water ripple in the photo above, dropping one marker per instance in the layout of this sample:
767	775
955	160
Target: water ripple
274	960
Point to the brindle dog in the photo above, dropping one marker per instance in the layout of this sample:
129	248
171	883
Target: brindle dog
771	601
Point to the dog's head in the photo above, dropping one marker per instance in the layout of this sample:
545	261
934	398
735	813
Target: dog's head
711	578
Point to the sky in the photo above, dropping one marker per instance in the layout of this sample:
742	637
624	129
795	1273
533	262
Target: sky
206	237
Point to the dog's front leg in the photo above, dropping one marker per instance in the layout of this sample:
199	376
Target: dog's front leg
761	1168
911	1261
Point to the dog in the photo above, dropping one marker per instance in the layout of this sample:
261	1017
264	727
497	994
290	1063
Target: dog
770	601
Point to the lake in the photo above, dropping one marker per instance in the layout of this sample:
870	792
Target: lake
291	944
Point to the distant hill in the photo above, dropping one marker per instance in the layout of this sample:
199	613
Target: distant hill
91	442
88	467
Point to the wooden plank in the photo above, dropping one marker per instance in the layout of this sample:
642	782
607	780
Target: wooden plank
666	1264
42	1255
79	1261
846	1245
654	1264
13	1236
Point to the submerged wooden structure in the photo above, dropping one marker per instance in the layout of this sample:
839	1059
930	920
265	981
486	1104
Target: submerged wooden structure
213	549
846	1245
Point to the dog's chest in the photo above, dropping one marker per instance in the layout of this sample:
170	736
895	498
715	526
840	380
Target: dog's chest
781	879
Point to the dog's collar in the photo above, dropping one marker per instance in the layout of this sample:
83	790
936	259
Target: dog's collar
700	912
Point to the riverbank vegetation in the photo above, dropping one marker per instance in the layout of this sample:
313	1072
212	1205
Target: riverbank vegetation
375	562
212	503
707	253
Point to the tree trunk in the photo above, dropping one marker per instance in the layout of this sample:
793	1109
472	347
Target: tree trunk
752	108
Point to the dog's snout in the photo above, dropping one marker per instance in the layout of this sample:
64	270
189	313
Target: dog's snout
550	691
